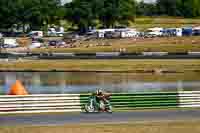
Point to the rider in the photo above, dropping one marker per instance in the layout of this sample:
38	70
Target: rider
102	99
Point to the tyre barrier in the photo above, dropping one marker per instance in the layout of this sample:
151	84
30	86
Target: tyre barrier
119	101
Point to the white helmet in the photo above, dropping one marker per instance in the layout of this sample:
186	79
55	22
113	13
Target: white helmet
98	91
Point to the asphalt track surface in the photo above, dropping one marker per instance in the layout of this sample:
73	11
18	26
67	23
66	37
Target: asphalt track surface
116	117
64	56
123	57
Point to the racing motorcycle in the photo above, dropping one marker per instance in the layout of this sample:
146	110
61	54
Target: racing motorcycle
103	106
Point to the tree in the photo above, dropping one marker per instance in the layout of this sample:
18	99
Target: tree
146	9
117	11
32	12
41	12
190	8
185	8
6	15
168	7
84	13
127	11
79	12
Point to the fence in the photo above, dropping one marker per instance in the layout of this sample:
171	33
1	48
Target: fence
76	102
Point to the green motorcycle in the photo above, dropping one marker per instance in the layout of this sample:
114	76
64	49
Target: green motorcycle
95	105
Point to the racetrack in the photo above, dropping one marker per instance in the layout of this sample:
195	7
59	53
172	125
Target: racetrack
101	55
116	117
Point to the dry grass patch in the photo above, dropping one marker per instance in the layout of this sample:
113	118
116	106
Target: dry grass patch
146	127
165	44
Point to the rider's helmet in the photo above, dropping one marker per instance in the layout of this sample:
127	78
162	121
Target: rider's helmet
99	92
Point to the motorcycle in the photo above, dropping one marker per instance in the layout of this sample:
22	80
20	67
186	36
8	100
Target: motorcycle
103	106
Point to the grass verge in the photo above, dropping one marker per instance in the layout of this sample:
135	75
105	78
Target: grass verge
132	127
132	45
165	21
138	66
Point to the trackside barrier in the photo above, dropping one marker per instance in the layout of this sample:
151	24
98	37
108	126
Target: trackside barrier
64	54
189	99
154	53
107	54
103	55
193	53
76	102
40	103
140	100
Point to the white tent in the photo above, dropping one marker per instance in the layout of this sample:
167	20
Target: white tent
11	42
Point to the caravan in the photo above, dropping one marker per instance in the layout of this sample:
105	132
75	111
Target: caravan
10	43
172	32
187	31
154	32
101	32
128	33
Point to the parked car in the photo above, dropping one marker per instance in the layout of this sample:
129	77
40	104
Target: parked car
56	43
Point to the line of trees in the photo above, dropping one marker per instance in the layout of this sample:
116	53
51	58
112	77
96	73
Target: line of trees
183	8
38	14
85	13
34	13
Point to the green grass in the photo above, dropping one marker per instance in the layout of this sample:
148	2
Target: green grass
141	66
143	22
92	78
147	22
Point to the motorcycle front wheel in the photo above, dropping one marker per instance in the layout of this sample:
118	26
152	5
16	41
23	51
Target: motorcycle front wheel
89	109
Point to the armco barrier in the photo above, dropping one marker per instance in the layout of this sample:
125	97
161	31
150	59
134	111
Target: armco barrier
76	102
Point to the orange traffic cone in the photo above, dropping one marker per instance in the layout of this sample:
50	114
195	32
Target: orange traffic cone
17	89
